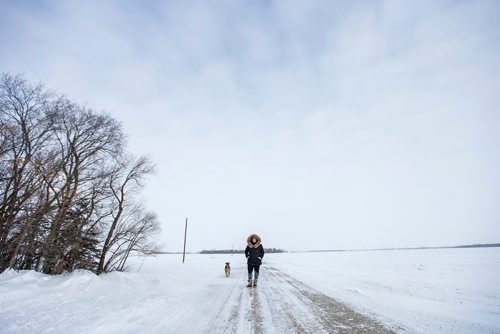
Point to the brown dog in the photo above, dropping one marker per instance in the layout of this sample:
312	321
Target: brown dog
227	269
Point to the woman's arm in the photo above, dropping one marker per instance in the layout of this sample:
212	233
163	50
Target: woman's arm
261	252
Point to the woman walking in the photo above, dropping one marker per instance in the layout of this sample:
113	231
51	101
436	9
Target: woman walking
254	253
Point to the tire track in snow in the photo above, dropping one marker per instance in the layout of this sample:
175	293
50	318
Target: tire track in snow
255	314
235	314
231	298
288	310
310	311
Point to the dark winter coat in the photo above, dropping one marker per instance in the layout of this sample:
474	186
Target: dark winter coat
254	252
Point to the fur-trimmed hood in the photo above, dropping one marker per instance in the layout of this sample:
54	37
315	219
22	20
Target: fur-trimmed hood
257	244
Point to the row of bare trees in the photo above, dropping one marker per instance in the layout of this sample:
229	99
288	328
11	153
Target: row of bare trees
68	187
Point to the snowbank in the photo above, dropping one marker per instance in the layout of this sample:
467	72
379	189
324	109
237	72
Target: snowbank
132	302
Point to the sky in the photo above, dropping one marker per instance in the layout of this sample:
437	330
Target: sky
316	124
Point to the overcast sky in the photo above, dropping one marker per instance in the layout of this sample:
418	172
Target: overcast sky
316	124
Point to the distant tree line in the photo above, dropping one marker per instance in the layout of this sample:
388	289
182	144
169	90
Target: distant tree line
239	251
68	187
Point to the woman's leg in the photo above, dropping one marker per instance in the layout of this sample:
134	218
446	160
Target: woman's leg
257	267
250	269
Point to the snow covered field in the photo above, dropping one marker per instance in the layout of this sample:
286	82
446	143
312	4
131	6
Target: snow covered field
414	291
425	291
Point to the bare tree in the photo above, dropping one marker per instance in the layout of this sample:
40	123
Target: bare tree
67	185
124	182
132	236
24	131
86	139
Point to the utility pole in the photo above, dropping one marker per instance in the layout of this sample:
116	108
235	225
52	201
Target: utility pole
185	234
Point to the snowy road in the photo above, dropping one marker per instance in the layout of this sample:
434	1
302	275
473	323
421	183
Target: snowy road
281	304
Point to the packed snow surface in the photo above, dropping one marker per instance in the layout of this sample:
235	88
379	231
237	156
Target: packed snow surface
407	291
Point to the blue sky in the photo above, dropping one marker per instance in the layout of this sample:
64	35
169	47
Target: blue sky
317	124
